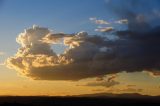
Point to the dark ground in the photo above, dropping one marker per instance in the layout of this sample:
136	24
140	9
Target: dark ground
77	101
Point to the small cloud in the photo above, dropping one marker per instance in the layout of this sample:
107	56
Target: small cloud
103	83
105	29
101	22
55	38
123	21
111	78
92	18
97	21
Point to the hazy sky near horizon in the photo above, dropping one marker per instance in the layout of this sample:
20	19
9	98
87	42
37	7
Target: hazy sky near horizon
96	17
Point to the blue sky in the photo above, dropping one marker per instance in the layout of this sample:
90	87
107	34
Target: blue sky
68	16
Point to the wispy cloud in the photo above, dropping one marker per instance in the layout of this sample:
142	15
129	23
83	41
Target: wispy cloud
105	26
98	21
122	21
103	83
104	29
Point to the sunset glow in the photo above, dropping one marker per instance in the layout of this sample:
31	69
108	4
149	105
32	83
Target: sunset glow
75	47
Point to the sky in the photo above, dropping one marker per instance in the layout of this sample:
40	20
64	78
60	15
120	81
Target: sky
73	47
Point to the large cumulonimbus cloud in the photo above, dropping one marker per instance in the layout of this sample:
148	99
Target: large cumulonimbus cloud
37	60
86	55
134	49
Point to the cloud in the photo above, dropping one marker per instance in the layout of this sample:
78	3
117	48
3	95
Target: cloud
104	29
86	55
103	83
92	18
107	26
99	78
135	49
111	78
122	21
96	21
37	60
138	16
55	38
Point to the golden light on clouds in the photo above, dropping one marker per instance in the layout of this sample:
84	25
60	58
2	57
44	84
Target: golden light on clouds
109	47
86	57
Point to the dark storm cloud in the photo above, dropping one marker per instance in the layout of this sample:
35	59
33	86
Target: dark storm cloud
138	44
139	13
